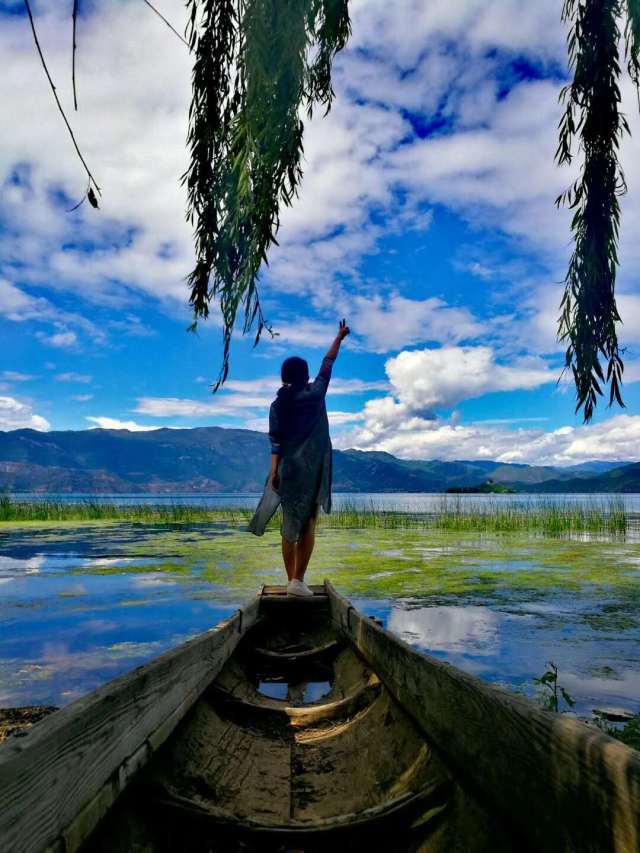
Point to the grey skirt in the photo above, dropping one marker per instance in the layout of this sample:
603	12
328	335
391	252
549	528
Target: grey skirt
304	472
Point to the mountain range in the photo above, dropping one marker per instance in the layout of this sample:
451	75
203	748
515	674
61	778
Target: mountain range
214	459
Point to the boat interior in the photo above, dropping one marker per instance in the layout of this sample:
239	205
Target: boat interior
297	745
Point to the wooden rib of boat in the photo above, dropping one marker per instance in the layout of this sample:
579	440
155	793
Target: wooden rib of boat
303	725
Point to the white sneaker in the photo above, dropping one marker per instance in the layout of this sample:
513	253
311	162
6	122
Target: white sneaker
299	588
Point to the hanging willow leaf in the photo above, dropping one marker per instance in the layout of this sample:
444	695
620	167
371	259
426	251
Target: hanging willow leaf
93	201
258	64
588	309
632	40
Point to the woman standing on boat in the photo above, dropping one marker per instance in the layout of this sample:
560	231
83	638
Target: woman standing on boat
300	477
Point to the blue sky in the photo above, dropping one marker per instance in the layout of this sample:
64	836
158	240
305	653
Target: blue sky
426	218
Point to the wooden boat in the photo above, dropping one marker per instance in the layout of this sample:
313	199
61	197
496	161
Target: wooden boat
303	725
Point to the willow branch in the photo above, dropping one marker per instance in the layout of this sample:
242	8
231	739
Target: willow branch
168	23
593	117
92	180
74	16
258	63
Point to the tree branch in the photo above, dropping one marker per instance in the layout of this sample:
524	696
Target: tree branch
92	180
162	17
74	16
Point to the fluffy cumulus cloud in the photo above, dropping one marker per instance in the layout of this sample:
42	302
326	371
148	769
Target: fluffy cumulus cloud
433	113
617	438
15	414
440	378
423	382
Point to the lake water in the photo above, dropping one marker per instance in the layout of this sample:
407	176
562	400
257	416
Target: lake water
399	501
82	603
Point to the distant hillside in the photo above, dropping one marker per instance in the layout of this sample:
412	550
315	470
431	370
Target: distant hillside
214	459
211	459
625	479
587	469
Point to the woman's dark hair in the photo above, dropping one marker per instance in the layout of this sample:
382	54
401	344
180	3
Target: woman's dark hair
295	372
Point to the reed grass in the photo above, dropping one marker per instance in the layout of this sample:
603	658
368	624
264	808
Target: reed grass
601	515
606	515
92	510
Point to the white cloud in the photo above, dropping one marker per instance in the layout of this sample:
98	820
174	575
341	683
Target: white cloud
423	381
114	423
232	404
247	398
302	332
270	384
59	339
629	307
397	322
131	126
368	174
481	173
81	398
71	376
131	326
536	329
340	418
257	424
617	438
400	32
18	306
17	415
336	419
356	386
16	376
441	378
495	421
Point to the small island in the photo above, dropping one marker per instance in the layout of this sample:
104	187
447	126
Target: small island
486	488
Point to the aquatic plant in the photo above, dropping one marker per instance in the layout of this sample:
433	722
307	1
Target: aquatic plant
96	510
562	517
628	733
552	693
550	517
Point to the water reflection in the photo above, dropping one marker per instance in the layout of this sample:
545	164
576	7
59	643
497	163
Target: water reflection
510	645
69	622
79	606
12	566
473	630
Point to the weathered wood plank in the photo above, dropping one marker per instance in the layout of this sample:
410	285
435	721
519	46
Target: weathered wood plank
566	786
281	591
62	777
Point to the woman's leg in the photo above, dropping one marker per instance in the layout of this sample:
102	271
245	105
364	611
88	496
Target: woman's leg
305	548
289	556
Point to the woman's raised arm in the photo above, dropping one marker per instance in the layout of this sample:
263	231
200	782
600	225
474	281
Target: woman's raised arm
334	349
